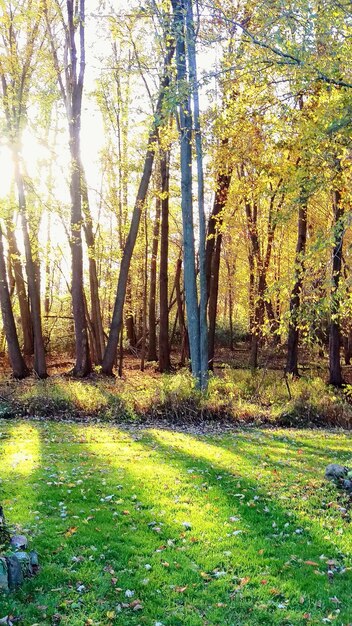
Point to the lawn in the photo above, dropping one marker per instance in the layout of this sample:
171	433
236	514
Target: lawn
160	528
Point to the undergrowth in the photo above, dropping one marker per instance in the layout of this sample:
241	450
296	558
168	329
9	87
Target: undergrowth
237	396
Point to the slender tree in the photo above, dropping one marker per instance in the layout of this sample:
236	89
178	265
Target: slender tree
18	364
164	345
70	81
115	328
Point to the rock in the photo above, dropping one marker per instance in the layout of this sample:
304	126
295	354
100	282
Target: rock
347	485
34	561
15	576
4	533
4	583
336	472
25	562
19	542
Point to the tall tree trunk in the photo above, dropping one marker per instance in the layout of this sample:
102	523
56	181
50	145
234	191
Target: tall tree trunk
152	352
181	317
213	252
83	363
203	296
335	377
130	325
145	293
213	297
295	300
111	347
25	314
18	365
223	181
229	277
96	318
185	122
164	347
33	288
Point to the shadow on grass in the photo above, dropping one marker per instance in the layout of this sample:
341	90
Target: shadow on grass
158	481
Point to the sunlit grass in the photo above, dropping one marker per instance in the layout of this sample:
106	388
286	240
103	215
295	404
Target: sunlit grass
20	454
204	530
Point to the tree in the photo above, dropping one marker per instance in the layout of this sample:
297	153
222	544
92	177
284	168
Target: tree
18	364
70	81
196	316
116	323
20	33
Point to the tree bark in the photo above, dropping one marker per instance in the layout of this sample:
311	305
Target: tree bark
96	318
25	314
152	352
181	317
164	347
18	364
74	90
185	123
83	363
295	300
33	288
335	377
203	295
213	297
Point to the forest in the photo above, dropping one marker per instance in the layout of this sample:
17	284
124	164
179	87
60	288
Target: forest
175	185
176	312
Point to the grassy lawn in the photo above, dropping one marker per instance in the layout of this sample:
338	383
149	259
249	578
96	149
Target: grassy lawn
154	527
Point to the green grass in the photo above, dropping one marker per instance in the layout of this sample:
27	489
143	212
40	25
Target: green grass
263	524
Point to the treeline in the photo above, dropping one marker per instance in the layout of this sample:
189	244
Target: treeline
220	192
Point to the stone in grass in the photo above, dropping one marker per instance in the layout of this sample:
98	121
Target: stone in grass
34	562
336	472
25	562
14	570
4	583
19	542
347	485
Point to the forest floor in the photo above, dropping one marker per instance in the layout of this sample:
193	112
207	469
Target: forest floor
235	395
147	526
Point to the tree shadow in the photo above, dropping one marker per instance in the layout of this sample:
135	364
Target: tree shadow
157	482
284	552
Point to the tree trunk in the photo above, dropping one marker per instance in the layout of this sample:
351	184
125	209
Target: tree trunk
203	295
130	325
181	316
223	182
18	365
83	363
145	294
111	347
25	314
213	297
96	319
152	353
33	289
185	120
335	377
164	347
347	347
295	300
230	298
